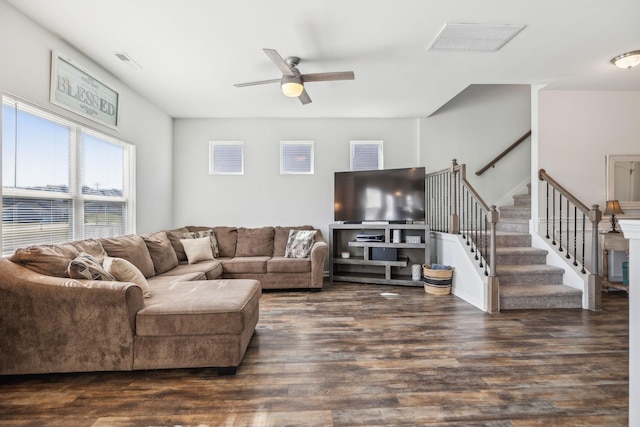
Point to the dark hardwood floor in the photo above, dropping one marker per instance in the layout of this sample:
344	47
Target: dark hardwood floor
353	356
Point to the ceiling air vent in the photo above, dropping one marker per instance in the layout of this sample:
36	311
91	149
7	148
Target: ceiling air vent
478	37
126	59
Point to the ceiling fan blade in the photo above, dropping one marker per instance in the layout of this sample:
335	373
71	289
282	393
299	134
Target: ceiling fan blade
280	63
304	97
323	77
260	82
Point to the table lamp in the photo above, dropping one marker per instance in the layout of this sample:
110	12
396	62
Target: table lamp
613	209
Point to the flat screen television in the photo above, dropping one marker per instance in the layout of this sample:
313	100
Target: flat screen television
394	195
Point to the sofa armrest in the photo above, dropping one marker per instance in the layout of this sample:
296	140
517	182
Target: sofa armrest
51	324
318	257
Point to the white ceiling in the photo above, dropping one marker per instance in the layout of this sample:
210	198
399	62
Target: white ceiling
193	51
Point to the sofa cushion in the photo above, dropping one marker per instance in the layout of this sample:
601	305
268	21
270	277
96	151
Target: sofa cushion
227	238
124	271
161	251
299	243
92	247
288	265
174	237
51	260
255	242
85	266
212	269
256	264
133	249
207	307
282	236
197	249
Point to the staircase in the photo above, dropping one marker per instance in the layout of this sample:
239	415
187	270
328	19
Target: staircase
526	281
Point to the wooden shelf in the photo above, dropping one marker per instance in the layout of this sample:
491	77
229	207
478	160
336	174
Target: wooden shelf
401	262
360	267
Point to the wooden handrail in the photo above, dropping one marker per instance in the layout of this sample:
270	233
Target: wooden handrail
504	153
543	176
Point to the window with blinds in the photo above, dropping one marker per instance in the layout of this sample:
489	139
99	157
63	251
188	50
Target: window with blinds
296	157
61	181
366	155
226	158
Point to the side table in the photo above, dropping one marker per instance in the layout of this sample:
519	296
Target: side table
612	242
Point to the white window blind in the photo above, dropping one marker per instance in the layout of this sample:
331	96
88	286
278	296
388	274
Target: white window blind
226	157
61	181
296	157
366	155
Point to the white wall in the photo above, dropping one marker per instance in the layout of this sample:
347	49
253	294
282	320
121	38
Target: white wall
476	126
262	196
577	130
25	49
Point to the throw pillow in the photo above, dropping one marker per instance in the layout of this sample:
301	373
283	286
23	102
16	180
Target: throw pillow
86	266
124	271
197	249
282	237
205	233
162	253
299	243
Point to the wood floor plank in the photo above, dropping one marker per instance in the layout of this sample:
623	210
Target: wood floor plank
353	356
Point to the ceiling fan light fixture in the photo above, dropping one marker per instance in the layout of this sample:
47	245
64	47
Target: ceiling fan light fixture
627	60
291	86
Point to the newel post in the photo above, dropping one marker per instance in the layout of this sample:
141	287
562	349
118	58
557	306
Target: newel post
595	280
454	225
493	282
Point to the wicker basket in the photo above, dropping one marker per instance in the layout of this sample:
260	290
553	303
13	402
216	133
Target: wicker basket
437	282
437	289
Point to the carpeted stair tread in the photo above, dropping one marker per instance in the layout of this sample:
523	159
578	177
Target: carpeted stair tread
514	212
522	200
512	239
537	290
520	255
513	225
527	269
542	296
520	250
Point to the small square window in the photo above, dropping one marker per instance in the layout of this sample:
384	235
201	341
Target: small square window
296	157
366	155
226	158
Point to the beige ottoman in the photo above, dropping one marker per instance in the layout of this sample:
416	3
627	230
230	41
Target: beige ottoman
204	323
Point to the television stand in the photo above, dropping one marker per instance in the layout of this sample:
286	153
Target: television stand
363	266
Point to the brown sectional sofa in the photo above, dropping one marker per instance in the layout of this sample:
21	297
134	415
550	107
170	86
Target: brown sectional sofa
197	315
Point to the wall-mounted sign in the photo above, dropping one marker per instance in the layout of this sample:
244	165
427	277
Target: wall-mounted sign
76	90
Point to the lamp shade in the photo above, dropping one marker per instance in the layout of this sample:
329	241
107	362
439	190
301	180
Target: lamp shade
613	208
627	60
291	86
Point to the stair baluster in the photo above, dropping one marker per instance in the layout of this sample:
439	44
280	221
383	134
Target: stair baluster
584	219
568	233
547	236
560	223
575	237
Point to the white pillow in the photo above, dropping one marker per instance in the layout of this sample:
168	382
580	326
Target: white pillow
124	271
197	249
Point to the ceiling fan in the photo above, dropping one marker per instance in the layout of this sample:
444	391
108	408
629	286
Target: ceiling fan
292	81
